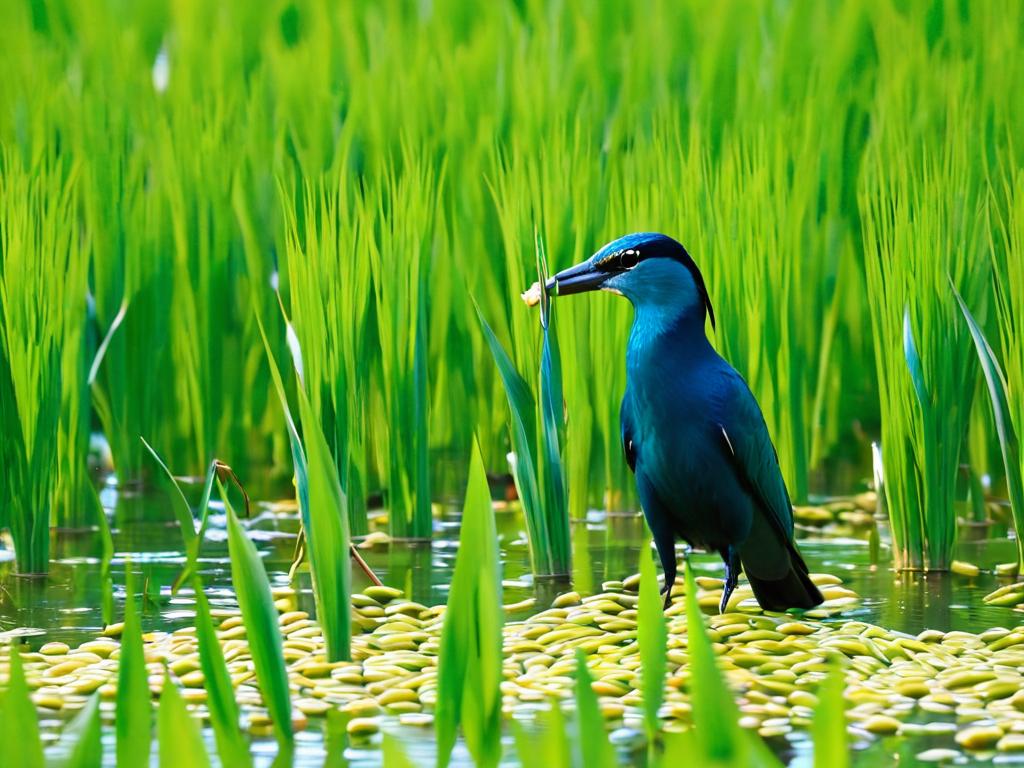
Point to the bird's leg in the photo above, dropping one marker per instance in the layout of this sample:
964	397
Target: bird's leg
732	575
667	554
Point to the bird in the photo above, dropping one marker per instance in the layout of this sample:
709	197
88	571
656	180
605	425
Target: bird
693	434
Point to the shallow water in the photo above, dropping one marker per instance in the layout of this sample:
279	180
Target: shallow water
66	605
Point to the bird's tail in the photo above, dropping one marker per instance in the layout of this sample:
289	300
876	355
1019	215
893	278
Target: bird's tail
794	590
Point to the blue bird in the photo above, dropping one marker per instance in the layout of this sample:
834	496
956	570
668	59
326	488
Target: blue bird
706	469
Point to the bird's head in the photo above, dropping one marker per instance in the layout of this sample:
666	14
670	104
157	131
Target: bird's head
652	270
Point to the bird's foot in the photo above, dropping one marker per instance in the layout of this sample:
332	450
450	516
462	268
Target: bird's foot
732	575
666	590
726	594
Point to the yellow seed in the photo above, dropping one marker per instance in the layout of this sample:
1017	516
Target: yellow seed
181	666
1008	570
609	688
966	679
48	701
64	668
230	623
382	593
101	648
803	699
55	649
362	707
881	724
394	695
796	628
964	569
312	707
363	726
1011	742
979	736
113	630
913	687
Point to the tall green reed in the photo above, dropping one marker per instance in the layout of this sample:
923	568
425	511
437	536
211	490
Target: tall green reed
42	316
470	660
923	227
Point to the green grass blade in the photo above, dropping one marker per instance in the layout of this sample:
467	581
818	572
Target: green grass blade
652	636
470	660
134	721
336	739
595	749
193	539
1008	440
232	745
180	742
521	406
327	538
914	363
81	741
18	723
260	618
556	502
324	516
394	754
718	738
828	728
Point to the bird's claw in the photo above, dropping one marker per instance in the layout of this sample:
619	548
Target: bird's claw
666	590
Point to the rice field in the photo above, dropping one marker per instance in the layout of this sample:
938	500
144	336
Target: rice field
290	475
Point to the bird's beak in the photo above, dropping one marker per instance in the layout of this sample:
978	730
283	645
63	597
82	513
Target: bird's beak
578	279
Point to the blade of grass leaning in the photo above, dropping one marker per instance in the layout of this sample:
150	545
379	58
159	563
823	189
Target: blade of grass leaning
521	407
193	539
134	719
178	735
595	749
718	737
259	615
324	517
327	538
470	659
1008	440
81	741
652	636
828	727
232	745
394	754
18	724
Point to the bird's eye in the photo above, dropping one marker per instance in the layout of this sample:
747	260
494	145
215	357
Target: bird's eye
629	259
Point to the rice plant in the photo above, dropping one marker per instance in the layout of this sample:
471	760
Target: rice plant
399	253
328	286
40	344
923	227
1008	275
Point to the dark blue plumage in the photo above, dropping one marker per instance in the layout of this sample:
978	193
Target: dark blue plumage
706	470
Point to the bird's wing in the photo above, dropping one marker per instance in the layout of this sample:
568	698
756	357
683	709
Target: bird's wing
629	436
745	439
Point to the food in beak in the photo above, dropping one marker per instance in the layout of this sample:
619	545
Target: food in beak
532	295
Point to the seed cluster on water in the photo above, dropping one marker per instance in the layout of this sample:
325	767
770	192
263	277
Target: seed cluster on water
773	662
